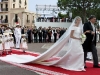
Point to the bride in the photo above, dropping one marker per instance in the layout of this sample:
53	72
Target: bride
66	53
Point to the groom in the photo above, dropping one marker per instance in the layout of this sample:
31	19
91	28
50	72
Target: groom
90	42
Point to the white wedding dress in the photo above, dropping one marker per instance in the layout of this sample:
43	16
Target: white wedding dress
74	57
66	53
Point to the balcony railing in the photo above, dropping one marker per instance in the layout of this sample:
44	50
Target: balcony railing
51	19
3	9
3	21
3	0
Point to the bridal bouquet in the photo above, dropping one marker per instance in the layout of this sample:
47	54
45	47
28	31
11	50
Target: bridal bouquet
83	38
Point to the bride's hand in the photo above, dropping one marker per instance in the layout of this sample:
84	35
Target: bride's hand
79	38
88	31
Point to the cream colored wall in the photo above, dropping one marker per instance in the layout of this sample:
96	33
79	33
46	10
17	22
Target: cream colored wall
23	4
30	18
24	18
17	10
16	4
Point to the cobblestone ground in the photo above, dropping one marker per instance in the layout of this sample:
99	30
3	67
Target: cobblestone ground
6	69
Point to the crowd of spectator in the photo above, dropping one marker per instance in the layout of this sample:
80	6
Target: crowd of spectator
43	35
38	35
53	19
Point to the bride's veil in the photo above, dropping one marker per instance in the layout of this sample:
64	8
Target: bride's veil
59	48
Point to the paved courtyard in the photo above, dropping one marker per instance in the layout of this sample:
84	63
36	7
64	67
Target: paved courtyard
6	69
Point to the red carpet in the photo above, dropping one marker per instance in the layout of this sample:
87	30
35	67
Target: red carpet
51	70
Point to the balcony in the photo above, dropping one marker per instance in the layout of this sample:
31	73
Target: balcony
3	9
3	0
3	21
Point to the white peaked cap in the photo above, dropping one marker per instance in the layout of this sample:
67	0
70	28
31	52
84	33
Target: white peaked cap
5	33
10	33
23	35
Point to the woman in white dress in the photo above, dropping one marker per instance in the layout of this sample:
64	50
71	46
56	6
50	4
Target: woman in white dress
11	41
24	46
6	42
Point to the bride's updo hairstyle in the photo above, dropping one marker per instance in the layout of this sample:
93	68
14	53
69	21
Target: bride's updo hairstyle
76	18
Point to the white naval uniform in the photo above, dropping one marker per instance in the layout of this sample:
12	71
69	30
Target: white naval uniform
17	33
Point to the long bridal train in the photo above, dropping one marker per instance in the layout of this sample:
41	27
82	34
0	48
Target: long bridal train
66	53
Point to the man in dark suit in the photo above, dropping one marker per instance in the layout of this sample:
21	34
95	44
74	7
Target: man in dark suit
55	35
2	30
29	33
49	33
40	33
90	42
22	30
35	32
62	31
44	34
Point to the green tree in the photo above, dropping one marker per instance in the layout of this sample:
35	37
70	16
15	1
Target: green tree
60	15
79	7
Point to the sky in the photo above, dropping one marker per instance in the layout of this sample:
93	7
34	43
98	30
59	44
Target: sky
32	3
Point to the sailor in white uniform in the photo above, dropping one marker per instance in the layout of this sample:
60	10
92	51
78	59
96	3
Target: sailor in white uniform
17	33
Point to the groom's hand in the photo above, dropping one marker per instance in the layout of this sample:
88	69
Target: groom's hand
92	32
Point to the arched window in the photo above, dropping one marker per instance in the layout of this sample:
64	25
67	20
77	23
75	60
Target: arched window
25	2
16	17
20	2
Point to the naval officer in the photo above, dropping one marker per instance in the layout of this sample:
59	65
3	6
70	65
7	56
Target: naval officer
17	33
